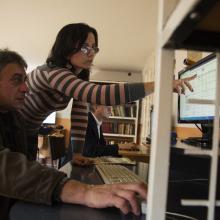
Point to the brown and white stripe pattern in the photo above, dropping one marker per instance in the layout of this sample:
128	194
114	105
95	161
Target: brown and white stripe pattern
51	90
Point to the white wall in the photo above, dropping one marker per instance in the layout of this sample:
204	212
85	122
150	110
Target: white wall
148	76
66	112
115	76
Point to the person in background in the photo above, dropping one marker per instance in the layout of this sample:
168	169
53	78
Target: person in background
95	144
65	76
27	180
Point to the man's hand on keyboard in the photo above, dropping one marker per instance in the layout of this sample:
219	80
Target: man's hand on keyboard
80	160
122	196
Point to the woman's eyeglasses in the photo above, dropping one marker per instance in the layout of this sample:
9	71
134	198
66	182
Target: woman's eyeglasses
86	50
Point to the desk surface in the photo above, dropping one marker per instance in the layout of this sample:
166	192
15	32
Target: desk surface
66	211
177	187
142	155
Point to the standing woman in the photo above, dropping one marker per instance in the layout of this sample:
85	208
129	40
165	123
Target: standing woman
65	75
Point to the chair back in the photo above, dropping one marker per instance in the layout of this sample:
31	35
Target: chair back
57	146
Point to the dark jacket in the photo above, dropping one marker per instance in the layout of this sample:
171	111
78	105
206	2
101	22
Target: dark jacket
95	146
21	178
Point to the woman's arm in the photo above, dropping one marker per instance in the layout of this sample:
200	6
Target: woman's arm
179	85
65	82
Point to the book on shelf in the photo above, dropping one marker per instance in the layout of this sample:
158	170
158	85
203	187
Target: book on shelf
118	128
129	110
119	141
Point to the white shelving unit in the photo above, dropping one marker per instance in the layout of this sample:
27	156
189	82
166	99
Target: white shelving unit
132	119
188	20
123	119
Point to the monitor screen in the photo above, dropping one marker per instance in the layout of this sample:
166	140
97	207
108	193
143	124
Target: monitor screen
204	89
51	119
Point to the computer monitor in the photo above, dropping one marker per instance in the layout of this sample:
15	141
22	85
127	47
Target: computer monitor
204	89
51	119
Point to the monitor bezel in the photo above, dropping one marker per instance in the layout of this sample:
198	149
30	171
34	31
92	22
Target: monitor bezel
180	73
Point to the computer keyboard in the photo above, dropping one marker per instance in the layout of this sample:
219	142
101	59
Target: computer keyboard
113	160
197	142
111	173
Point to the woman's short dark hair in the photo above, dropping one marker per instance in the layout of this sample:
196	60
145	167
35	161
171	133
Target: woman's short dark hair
7	57
69	41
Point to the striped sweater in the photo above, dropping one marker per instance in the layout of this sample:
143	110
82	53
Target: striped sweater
51	89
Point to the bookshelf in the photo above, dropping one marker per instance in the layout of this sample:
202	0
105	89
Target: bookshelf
193	25
122	125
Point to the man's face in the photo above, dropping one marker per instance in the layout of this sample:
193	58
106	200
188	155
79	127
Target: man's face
12	87
104	112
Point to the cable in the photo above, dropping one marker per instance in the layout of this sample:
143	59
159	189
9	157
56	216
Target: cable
180	215
198	127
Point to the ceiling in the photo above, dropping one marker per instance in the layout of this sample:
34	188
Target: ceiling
126	29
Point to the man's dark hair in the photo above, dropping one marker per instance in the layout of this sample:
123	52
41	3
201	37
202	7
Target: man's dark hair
7	57
69	40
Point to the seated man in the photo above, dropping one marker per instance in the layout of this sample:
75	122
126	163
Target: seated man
95	144
26	180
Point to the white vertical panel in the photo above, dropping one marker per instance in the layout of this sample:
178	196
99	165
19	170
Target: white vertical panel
159	162
215	149
147	102
159	158
135	139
